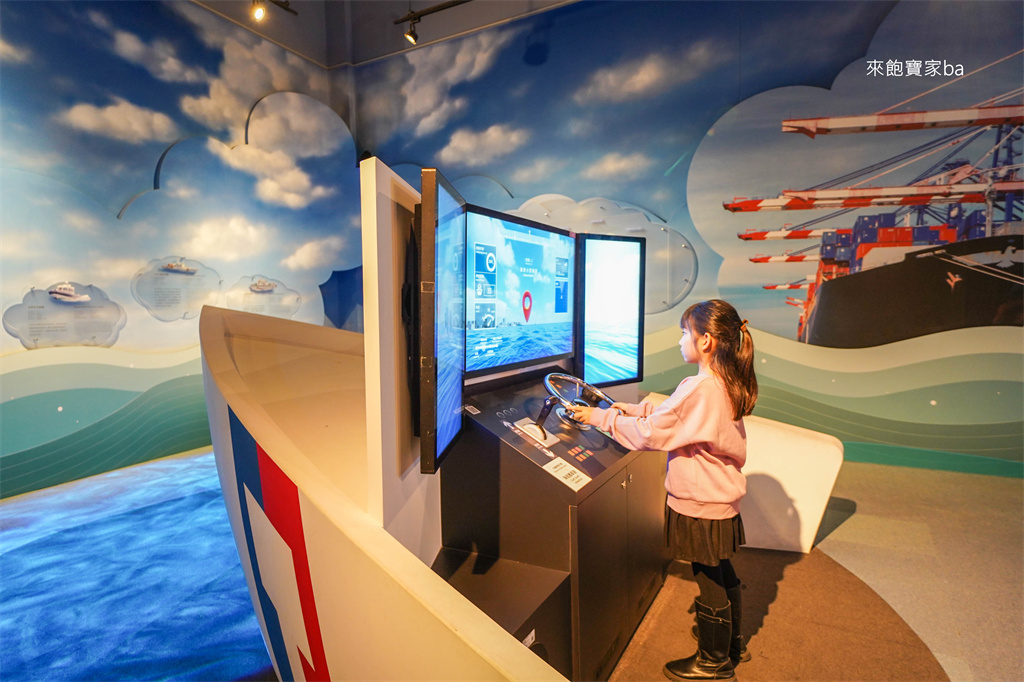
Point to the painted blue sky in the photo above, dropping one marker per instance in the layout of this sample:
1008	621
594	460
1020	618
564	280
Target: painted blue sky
102	106
619	101
625	94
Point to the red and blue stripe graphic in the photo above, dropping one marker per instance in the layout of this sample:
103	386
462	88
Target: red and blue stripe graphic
278	497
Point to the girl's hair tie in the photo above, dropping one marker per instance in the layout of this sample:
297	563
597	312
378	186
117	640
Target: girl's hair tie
743	326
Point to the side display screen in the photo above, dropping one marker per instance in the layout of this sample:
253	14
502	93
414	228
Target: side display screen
520	292
449	325
613	309
442	319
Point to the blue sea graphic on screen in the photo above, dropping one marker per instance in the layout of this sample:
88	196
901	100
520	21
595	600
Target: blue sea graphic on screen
613	276
449	393
611	352
486	348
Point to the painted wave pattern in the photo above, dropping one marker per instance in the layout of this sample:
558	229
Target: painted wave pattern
36	419
967	404
167	419
61	369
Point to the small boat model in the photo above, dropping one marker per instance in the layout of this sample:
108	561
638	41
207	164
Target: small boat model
178	267
66	293
262	286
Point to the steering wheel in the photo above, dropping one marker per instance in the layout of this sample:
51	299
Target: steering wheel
570	391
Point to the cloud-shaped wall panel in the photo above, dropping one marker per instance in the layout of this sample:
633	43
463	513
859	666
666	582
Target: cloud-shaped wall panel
175	288
65	314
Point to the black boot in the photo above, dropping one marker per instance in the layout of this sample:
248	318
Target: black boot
737	649
711	662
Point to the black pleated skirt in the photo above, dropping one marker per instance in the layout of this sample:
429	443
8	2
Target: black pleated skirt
704	541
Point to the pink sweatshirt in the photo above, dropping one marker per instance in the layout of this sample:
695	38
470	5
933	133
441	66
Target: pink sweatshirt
706	448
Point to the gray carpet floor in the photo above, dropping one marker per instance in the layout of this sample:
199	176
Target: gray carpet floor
909	563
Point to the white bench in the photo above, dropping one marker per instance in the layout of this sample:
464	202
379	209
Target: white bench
790	474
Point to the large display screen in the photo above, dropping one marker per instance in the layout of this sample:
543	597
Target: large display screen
442	317
520	292
613	309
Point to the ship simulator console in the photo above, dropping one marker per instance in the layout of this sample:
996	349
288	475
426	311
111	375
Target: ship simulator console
547	525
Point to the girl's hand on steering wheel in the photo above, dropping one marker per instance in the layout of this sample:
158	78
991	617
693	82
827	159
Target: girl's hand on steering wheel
580	413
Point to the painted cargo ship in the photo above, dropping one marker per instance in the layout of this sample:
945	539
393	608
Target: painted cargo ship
928	265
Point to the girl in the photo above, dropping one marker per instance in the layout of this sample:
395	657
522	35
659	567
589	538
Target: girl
701	427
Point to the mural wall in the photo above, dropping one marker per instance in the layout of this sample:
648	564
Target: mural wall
666	120
159	159
155	159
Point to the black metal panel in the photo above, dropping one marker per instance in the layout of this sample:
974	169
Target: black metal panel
648	553
601	574
501	508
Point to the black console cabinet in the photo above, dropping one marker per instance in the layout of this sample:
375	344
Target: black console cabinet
583	507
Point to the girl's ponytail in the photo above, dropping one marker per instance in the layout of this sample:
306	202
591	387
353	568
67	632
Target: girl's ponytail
745	395
733	360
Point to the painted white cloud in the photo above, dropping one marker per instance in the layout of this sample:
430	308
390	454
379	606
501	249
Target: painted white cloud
651	75
279	180
12	54
32	160
116	269
315	254
293	189
616	166
539	170
121	121
469	148
579	127
439	68
247	73
229	238
83	222
416	92
180	190
438	117
16	244
298	125
159	58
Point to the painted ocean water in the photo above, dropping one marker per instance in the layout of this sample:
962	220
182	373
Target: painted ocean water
128	575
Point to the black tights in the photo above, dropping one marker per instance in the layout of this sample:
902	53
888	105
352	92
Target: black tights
713	581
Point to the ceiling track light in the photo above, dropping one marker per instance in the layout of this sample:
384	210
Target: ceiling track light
410	35
413	18
259	9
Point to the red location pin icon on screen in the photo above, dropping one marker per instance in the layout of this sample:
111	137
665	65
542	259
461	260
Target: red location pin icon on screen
527	305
